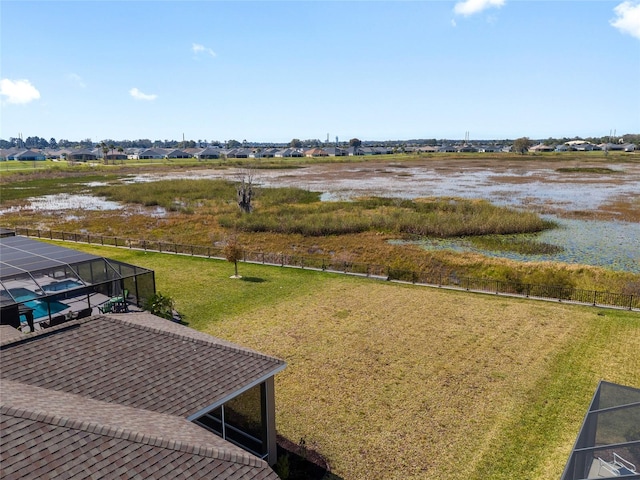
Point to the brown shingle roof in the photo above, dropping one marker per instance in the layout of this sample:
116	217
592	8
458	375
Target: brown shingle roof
48	446
143	364
109	397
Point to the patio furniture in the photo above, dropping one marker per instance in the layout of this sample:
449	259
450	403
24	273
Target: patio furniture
58	320
116	304
618	467
84	313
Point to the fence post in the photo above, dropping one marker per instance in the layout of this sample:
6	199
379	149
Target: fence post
595	296
631	302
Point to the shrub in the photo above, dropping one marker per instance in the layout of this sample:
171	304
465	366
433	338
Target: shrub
160	305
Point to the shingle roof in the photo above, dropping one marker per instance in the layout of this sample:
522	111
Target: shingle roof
144	364
109	396
38	445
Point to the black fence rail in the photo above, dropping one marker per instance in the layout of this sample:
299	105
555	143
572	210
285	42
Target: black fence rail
485	285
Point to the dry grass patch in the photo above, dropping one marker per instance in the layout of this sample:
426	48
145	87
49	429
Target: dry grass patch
403	382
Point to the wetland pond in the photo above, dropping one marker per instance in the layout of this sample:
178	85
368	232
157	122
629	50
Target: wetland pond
531	185
590	239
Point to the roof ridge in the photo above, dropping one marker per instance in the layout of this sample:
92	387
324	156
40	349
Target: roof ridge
200	341
131	435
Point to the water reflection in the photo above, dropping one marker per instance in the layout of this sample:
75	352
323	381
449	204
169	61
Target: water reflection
61	202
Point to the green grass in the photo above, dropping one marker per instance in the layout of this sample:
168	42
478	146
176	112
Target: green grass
405	382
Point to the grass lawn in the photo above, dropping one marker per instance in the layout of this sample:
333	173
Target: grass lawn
399	381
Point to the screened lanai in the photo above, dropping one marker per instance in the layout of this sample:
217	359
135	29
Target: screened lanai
43	284
608	445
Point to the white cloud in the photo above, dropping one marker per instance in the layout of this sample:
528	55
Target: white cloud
471	7
18	91
628	18
76	79
198	48
138	95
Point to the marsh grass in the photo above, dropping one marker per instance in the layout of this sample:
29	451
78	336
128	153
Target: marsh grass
404	382
599	170
296	211
33	185
514	243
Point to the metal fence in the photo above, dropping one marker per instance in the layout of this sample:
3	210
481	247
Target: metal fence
485	285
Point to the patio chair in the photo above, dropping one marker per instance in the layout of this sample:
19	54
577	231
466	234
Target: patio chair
106	307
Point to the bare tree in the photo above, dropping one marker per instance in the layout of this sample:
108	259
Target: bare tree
245	193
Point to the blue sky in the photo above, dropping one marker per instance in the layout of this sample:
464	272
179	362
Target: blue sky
272	71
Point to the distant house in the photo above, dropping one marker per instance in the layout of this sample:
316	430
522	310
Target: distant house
177	154
152	154
447	149
289	152
83	155
315	152
136	394
116	156
466	149
28	155
580	145
208	153
489	149
236	152
541	147
335	151
629	147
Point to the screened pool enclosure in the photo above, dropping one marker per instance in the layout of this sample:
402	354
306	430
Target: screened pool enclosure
608	445
44	285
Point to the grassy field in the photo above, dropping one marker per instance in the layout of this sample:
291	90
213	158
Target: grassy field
398	381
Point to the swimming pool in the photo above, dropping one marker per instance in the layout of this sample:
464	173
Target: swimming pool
40	308
62	285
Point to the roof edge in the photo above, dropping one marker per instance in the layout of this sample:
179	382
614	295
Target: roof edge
131	435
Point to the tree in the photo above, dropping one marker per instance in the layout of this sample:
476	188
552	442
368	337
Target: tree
295	143
355	142
244	191
233	144
233	253
105	150
521	145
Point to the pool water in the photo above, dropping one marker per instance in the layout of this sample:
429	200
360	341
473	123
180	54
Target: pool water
40	308
62	285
